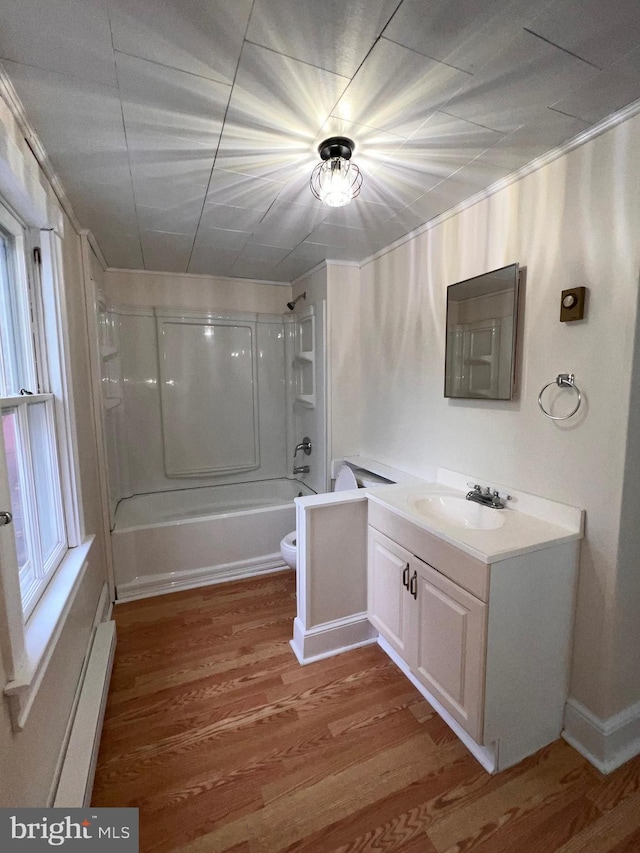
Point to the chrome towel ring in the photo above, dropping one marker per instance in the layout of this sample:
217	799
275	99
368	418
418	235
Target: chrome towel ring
562	380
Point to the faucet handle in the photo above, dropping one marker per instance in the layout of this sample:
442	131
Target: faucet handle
475	487
498	499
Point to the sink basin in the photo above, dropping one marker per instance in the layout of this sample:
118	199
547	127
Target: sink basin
458	512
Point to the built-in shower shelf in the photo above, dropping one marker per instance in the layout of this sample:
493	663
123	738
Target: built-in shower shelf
107	353
304	356
307	400
111	402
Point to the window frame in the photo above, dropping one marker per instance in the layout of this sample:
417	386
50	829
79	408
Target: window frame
28	645
29	362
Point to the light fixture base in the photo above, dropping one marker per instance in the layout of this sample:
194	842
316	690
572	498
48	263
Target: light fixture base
336	146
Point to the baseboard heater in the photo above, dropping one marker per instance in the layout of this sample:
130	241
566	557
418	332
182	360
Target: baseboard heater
78	770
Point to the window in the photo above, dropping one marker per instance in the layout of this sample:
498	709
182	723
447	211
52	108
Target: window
28	419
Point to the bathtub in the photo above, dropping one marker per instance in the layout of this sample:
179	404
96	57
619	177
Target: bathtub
182	539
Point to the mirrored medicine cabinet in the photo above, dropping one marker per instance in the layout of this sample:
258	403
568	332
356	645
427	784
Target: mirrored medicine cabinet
482	318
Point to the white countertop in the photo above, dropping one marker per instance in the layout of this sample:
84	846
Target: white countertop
519	533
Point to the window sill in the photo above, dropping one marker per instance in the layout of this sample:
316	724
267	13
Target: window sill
43	630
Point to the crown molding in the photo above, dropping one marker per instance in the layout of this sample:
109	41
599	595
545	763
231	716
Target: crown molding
10	96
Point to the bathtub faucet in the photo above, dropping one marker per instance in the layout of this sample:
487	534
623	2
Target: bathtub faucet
305	445
301	469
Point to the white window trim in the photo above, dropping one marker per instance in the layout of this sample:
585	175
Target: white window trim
55	326
28	648
42	632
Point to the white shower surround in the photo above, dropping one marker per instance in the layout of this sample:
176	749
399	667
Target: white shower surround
136	433
168	541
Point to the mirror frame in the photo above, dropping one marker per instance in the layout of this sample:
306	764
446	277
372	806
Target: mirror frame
448	355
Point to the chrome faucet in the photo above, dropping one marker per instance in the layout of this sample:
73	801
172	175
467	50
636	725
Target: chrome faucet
305	446
487	497
301	469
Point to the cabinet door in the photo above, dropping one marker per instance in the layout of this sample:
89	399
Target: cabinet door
450	636
390	602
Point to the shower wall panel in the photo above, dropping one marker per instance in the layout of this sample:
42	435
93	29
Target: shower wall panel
208	396
144	450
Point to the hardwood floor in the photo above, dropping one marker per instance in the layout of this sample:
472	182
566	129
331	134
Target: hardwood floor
225	743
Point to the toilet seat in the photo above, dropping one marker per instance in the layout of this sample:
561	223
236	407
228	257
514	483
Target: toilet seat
345	480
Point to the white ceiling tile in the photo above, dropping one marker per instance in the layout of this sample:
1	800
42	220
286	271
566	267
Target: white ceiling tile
285	225
203	37
528	75
266	254
225	216
359	214
408	219
166	251
209	260
437	149
168	109
168	192
397	89
67	36
337	236
113	171
335	36
120	250
172	169
612	89
466	182
277	106
124	224
396	184
80	126
108	198
179	218
291	268
598	31
311	253
71	116
222	238
237	190
444	143
462	33
545	131
248	268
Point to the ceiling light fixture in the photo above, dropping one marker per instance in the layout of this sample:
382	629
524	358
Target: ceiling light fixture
336	180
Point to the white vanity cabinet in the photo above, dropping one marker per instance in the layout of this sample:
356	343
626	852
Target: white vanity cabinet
436	626
488	644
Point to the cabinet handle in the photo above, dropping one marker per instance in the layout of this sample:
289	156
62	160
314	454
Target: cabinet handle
413	589
405	577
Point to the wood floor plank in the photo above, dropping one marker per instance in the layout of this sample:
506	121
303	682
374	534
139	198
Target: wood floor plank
227	745
612	829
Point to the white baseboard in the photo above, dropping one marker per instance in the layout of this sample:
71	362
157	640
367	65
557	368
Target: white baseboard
150	585
607	744
78	769
486	755
331	638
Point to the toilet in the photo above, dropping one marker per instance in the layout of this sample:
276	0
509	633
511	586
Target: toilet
346	479
288	549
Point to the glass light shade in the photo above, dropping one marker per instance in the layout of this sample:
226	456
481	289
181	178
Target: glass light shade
336	181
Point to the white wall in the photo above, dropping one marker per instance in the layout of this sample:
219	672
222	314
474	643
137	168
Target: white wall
343	359
574	222
30	757
194	292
